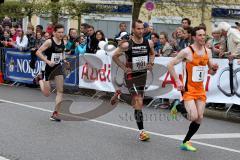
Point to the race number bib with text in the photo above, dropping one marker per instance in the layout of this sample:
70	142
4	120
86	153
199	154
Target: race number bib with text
139	63
56	58
198	73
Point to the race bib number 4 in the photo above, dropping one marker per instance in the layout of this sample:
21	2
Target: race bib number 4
56	58
198	73
139	63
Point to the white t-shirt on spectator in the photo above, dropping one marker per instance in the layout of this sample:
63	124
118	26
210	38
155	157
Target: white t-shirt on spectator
22	44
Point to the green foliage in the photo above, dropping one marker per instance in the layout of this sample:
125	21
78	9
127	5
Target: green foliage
76	8
15	9
12	9
55	8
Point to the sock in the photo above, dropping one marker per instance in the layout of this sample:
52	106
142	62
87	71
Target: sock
180	107
139	118
192	130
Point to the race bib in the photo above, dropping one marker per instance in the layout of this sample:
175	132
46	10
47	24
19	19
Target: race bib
56	58
139	63
198	73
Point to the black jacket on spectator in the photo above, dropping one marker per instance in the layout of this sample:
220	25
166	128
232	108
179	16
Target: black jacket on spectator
39	42
2	38
31	41
92	44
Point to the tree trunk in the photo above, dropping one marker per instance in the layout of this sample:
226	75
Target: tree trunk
79	23
54	18
203	10
55	11
136	11
29	18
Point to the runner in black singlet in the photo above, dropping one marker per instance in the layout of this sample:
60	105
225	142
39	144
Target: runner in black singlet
140	57
54	59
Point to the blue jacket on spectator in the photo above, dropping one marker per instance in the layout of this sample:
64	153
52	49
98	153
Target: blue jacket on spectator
80	49
182	44
147	36
70	46
157	47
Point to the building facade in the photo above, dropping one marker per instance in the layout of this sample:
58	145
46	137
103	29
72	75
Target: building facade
166	16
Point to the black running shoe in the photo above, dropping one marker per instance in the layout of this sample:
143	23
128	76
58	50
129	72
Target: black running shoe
37	78
54	117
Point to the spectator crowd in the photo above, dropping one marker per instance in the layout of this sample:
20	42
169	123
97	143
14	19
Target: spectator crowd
223	39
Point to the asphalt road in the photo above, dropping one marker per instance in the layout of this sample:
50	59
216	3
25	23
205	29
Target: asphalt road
26	133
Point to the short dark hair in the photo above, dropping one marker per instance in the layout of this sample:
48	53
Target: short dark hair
39	26
137	21
188	20
156	35
57	26
90	26
85	25
122	24
195	29
189	30
203	26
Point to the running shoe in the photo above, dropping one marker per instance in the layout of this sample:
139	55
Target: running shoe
54	117
188	147
115	97
144	136
174	110
37	78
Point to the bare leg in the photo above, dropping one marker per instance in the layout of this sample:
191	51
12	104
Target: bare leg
137	102
191	109
45	87
59	80
200	109
194	116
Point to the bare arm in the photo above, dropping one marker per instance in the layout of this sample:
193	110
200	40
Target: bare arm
181	56
152	53
43	48
212	66
118	52
210	59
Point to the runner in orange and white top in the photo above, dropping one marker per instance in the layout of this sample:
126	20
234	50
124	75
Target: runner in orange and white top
196	58
194	76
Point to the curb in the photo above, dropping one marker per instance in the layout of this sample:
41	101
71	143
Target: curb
222	115
211	113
